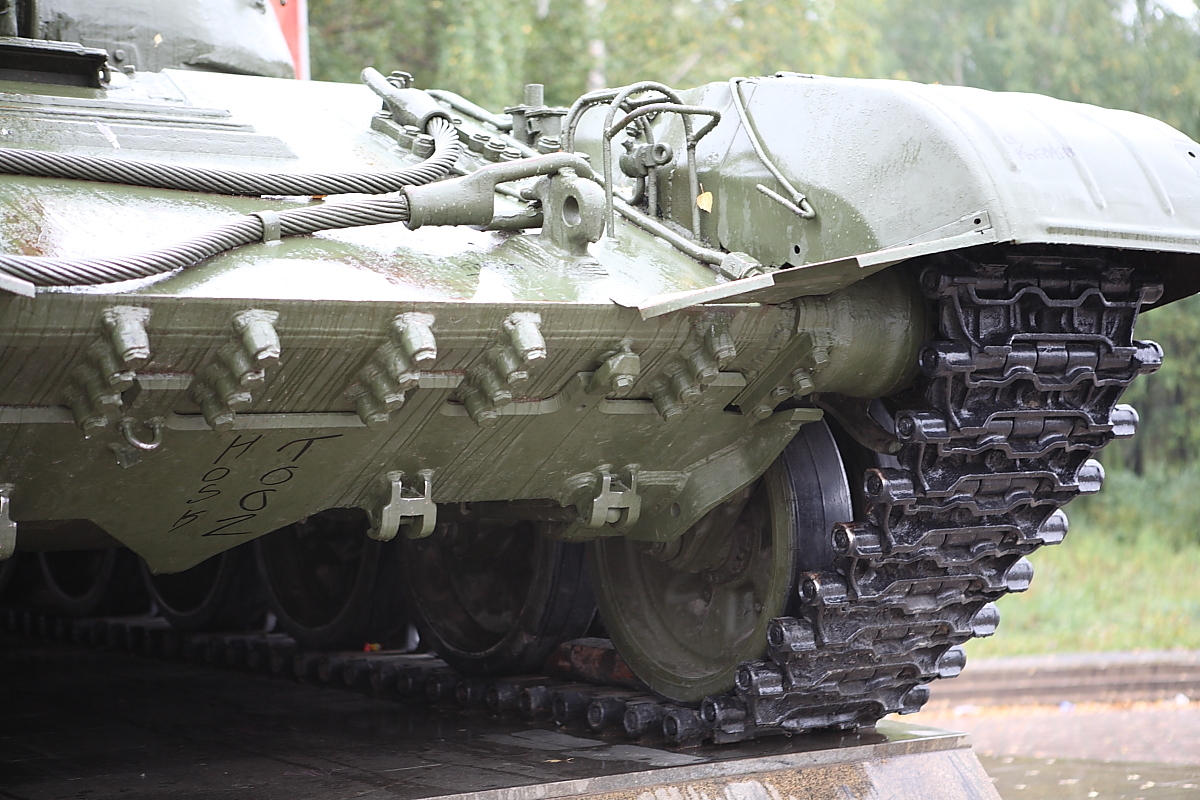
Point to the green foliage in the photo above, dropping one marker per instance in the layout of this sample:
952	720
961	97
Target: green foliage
1168	402
1162	505
1125	579
461	45
1136	56
1131	55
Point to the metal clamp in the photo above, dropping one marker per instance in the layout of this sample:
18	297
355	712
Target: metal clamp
470	200
673	104
155	424
272	230
415	515
620	99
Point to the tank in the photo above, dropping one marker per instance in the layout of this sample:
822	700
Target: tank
789	375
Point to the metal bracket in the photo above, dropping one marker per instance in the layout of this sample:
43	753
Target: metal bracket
616	501
618	372
490	383
8	528
572	211
381	386
698	365
126	455
416	515
789	374
867	421
96	385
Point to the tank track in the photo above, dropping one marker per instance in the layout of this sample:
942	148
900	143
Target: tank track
1017	393
418	679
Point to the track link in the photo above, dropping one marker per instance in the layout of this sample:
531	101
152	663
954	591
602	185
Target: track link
1017	393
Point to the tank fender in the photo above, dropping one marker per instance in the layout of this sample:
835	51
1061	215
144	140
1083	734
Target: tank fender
888	164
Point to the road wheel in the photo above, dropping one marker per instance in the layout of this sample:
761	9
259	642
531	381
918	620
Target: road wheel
495	596
88	583
330	585
684	614
222	593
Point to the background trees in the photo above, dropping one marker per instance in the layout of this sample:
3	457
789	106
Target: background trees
1132	54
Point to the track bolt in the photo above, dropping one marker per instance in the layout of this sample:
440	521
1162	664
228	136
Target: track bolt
604	712
759	680
985	621
1018	577
724	713
1090	477
841	538
913	699
683	726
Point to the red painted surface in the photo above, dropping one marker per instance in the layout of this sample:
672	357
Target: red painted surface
293	21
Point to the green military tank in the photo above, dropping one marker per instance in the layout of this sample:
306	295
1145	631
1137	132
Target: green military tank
788	374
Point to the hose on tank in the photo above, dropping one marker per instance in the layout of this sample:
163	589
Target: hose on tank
261	226
446	149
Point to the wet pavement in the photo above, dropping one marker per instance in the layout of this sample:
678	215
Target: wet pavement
85	723
1106	751
1069	779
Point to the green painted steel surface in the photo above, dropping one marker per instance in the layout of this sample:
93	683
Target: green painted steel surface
888	163
718	389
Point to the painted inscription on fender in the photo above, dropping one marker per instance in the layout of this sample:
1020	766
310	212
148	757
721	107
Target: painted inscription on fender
252	494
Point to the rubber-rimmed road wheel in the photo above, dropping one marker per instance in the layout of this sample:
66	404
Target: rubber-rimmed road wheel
88	583
330	585
684	614
495	597
221	593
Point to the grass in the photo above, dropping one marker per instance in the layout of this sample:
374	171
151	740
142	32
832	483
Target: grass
1126	578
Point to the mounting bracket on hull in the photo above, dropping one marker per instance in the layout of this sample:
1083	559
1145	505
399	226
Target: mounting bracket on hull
416	515
790	374
616	501
8	528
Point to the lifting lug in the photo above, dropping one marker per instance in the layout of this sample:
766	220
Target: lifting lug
155	424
